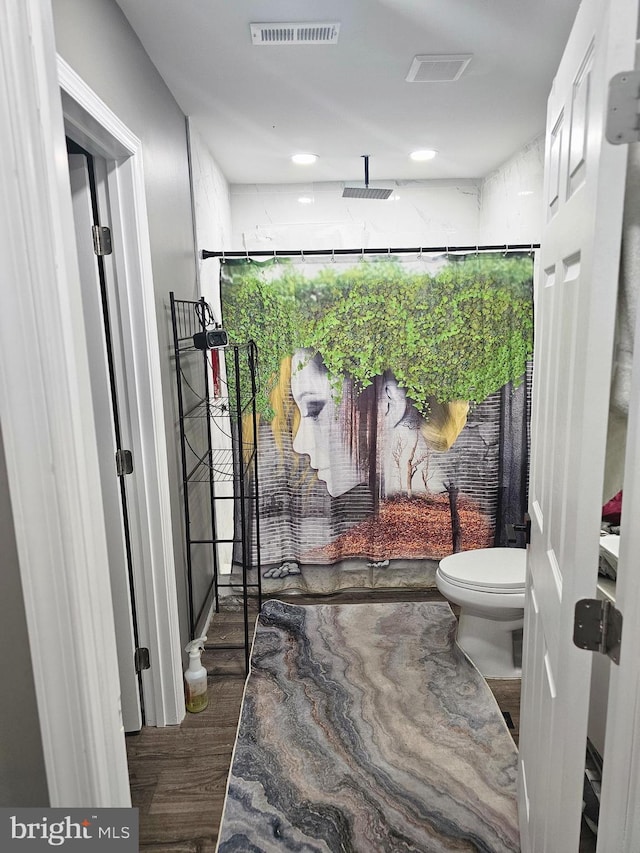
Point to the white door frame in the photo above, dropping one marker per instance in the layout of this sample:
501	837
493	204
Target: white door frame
100	131
111	413
49	435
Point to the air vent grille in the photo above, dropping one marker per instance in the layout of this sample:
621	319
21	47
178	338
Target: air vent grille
438	69
289	33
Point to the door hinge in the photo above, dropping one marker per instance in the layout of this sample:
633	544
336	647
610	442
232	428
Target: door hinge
101	240
622	108
514	529
141	659
597	627
124	462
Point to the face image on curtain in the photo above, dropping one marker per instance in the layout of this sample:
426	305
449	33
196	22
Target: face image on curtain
322	433
393	411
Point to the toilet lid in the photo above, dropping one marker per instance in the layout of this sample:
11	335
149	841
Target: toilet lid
487	568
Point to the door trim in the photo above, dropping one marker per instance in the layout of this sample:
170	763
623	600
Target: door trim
49	433
91	123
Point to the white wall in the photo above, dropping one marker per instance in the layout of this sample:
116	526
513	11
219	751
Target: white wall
511	199
212	213
212	227
419	213
505	207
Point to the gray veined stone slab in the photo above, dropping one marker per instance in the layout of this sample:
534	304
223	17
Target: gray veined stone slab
365	728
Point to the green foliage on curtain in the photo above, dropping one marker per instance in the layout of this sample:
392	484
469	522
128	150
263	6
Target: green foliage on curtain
458	334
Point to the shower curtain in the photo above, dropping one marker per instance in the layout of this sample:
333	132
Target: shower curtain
393	404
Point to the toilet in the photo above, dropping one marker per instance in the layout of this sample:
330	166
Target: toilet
488	585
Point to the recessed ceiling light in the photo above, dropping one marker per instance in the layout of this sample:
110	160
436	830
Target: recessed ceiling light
304	159
304	199
423	154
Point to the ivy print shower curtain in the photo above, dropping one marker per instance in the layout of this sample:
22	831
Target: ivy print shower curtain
393	411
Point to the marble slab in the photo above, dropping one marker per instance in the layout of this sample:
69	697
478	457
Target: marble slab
365	728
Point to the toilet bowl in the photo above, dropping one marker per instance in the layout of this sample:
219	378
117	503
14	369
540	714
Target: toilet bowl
488	585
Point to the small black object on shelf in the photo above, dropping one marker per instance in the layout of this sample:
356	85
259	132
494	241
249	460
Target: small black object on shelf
211	339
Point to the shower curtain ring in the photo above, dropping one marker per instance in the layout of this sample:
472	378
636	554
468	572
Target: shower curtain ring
222	259
275	257
333	256
302	256
420	254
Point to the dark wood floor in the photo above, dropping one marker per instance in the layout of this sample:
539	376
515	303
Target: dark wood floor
178	774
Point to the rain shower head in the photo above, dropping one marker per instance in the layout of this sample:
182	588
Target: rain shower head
366	191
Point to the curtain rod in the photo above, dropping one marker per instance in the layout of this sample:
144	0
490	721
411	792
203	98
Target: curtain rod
281	253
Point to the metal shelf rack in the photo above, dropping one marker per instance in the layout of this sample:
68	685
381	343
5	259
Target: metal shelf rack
217	420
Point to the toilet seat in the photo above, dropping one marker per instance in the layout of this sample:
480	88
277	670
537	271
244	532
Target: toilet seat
491	570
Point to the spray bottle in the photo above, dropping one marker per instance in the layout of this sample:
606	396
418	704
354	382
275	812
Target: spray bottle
195	678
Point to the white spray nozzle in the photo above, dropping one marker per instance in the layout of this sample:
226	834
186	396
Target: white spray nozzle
196	646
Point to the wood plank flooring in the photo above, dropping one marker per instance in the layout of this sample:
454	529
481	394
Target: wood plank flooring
178	774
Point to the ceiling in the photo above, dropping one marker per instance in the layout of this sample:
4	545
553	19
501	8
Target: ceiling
257	105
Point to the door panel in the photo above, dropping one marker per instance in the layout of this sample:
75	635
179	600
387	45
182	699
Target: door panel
113	497
575	313
579	125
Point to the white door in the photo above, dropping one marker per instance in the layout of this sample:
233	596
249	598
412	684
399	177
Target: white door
575	312
102	329
619	827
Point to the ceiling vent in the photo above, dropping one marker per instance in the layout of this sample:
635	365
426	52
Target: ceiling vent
288	33
438	69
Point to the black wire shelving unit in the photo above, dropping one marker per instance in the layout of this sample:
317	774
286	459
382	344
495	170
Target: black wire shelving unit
217	420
